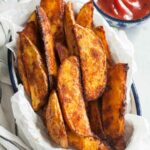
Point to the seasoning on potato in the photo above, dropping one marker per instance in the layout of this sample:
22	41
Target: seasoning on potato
54	121
71	97
99	31
62	51
69	21
48	42
93	62
86	143
95	118
36	74
67	70
85	15
113	106
55	12
21	67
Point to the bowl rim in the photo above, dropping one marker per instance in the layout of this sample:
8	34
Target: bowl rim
119	20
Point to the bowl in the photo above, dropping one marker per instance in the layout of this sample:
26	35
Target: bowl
118	22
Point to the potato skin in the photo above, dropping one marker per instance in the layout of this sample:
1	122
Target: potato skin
99	31
36	75
95	118
69	21
93	62
48	45
55	12
85	15
85	143
113	106
71	98
21	67
54	121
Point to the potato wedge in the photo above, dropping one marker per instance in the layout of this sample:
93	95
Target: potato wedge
69	21
31	32
99	31
62	51
85	15
32	18
54	121
95	117
48	45
113	105
93	62
85	143
55	12
71	98
20	65
37	78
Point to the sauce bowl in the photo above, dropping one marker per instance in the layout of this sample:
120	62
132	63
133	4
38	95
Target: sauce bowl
119	22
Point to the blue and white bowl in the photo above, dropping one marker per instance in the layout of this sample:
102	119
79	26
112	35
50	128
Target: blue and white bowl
118	22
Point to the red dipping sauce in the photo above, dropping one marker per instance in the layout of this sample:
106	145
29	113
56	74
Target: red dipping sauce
125	9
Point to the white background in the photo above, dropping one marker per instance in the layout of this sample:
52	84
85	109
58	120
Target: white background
140	37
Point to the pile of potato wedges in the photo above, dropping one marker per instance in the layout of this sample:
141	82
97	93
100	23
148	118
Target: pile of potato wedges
67	70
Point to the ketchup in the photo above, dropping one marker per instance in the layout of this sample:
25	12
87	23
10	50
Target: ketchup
125	9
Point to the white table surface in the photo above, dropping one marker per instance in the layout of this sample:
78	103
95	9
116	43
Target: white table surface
140	37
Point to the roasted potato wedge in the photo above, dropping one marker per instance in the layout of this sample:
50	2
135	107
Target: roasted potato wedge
20	65
31	32
93	62
48	45
62	51
95	118
55	12
99	31
54	121
36	75
85	15
113	105
69	21
85	143
32	18
71	97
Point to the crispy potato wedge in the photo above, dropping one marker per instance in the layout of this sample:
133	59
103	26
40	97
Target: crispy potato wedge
71	98
48	45
20	65
62	51
69	21
85	143
99	31
54	121
93	62
55	12
113	105
37	78
85	15
31	32
95	119
32	18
